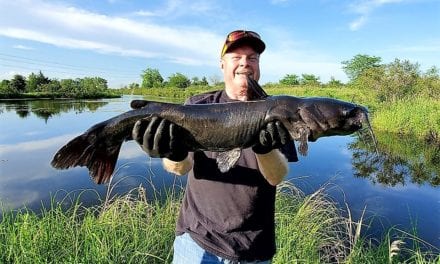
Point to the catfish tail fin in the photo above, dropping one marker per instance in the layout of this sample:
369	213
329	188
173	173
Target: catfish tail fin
83	150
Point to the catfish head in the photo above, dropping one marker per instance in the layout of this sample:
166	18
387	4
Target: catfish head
329	117
308	119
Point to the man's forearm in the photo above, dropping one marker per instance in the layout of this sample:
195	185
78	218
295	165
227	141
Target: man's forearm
273	166
179	167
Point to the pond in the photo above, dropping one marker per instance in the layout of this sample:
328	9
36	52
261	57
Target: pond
398	185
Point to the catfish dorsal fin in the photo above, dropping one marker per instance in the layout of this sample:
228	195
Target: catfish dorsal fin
137	104
254	89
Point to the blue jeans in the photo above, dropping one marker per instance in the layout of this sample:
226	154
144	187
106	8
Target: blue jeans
186	250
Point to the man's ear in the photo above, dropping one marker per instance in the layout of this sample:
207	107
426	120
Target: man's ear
222	65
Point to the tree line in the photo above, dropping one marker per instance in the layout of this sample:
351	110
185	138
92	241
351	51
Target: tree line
87	87
390	81
393	81
400	79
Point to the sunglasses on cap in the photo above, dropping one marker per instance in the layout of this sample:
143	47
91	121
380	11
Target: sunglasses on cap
241	35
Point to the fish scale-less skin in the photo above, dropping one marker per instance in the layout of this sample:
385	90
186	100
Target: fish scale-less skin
213	127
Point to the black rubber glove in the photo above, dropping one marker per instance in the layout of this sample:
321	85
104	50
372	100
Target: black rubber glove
160	138
273	136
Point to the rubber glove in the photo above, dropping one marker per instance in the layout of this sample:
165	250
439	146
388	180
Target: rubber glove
161	138
273	136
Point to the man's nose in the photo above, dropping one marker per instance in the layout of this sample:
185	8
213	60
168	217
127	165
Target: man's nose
244	61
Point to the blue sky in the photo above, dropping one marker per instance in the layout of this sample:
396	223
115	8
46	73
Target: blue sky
118	39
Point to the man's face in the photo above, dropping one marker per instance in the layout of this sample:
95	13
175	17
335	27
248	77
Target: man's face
238	64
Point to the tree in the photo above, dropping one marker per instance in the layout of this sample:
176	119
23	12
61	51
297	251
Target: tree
358	64
196	81
151	78
5	87
334	83
178	80
133	86
309	79
54	86
93	85
18	83
35	81
400	80
290	79
429	83
69	86
204	81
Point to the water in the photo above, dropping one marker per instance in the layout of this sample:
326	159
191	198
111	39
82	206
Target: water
401	191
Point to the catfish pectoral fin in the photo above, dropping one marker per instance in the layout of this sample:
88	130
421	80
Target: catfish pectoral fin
226	160
100	161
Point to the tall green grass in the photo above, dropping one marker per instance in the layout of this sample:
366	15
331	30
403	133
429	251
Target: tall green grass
130	229
418	116
127	229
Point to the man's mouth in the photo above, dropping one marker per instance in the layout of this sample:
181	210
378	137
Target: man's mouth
244	73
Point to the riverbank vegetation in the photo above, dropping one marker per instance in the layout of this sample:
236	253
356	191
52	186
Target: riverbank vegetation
131	229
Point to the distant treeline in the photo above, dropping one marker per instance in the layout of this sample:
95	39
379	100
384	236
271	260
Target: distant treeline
400	79
387	81
38	85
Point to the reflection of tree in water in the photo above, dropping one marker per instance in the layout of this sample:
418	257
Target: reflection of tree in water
398	160
45	109
23	113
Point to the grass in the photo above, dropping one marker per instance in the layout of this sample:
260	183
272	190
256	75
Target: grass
130	229
418	116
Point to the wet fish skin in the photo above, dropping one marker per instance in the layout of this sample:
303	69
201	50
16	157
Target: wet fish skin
212	127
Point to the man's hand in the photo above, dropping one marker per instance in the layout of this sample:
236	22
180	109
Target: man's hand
159	137
273	136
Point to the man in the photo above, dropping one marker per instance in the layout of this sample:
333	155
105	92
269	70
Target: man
225	217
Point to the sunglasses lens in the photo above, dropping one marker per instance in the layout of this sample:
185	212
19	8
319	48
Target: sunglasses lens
240	34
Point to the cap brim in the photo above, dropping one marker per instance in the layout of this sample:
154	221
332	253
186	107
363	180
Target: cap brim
257	44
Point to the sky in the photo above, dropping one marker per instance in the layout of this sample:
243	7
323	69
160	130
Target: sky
118	39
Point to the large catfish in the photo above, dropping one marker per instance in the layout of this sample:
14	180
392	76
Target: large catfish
222	127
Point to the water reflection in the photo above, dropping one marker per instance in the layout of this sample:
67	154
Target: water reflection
399	160
45	109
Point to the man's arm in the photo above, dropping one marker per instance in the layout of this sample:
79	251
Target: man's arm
273	165
271	162
178	167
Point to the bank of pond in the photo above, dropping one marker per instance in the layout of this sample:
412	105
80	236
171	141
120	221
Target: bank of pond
133	229
310	228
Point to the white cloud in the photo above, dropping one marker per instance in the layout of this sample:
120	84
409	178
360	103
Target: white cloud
173	9
70	27
23	47
364	8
